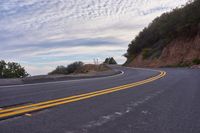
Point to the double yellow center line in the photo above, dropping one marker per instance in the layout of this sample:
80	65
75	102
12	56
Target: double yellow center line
20	110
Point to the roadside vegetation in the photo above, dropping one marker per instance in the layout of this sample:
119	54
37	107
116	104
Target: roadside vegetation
78	68
186	64
180	23
12	70
110	60
71	68
196	61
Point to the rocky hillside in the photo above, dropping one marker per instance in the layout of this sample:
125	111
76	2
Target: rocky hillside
173	39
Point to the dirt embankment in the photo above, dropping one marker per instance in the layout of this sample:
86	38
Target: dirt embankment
177	52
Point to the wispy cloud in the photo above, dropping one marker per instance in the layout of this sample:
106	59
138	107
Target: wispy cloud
56	31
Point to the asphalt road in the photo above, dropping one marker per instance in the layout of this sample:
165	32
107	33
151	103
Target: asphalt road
167	105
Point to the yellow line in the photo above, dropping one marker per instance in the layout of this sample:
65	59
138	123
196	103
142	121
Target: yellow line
51	103
67	98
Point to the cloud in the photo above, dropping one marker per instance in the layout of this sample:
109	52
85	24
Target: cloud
46	31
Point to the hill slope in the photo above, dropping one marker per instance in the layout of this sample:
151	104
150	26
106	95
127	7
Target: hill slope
173	39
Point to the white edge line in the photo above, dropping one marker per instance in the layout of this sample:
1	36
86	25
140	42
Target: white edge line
64	81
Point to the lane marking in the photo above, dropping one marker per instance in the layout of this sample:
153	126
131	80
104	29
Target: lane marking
51	103
27	114
64	81
71	97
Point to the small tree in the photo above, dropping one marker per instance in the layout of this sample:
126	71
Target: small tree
110	60
59	70
106	61
69	69
12	70
2	67
196	61
74	66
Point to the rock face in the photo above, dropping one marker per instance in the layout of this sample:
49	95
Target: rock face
178	51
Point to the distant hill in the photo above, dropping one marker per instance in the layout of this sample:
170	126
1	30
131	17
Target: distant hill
173	39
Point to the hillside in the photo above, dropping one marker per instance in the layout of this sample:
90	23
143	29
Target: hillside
173	39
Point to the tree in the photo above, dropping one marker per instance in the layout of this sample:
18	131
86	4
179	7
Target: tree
74	66
12	70
2	67
180	23
59	70
110	60
71	68
106	61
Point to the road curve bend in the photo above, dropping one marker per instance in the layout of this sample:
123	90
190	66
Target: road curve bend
140	100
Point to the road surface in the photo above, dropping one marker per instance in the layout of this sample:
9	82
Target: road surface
133	102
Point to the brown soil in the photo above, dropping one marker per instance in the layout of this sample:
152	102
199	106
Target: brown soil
179	50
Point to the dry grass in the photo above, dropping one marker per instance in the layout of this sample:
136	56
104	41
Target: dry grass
90	68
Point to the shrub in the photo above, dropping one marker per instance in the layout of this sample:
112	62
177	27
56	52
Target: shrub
196	61
74	66
12	70
59	70
71	68
146	53
110	60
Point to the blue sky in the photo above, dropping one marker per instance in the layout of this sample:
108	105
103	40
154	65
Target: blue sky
41	34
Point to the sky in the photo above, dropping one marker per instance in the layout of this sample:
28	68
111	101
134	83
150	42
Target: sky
42	34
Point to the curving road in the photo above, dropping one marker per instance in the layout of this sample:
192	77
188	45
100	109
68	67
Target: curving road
168	104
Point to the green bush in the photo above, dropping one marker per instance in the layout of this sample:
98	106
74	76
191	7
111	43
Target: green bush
184	64
74	66
67	70
59	70
196	61
12	70
110	60
146	53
